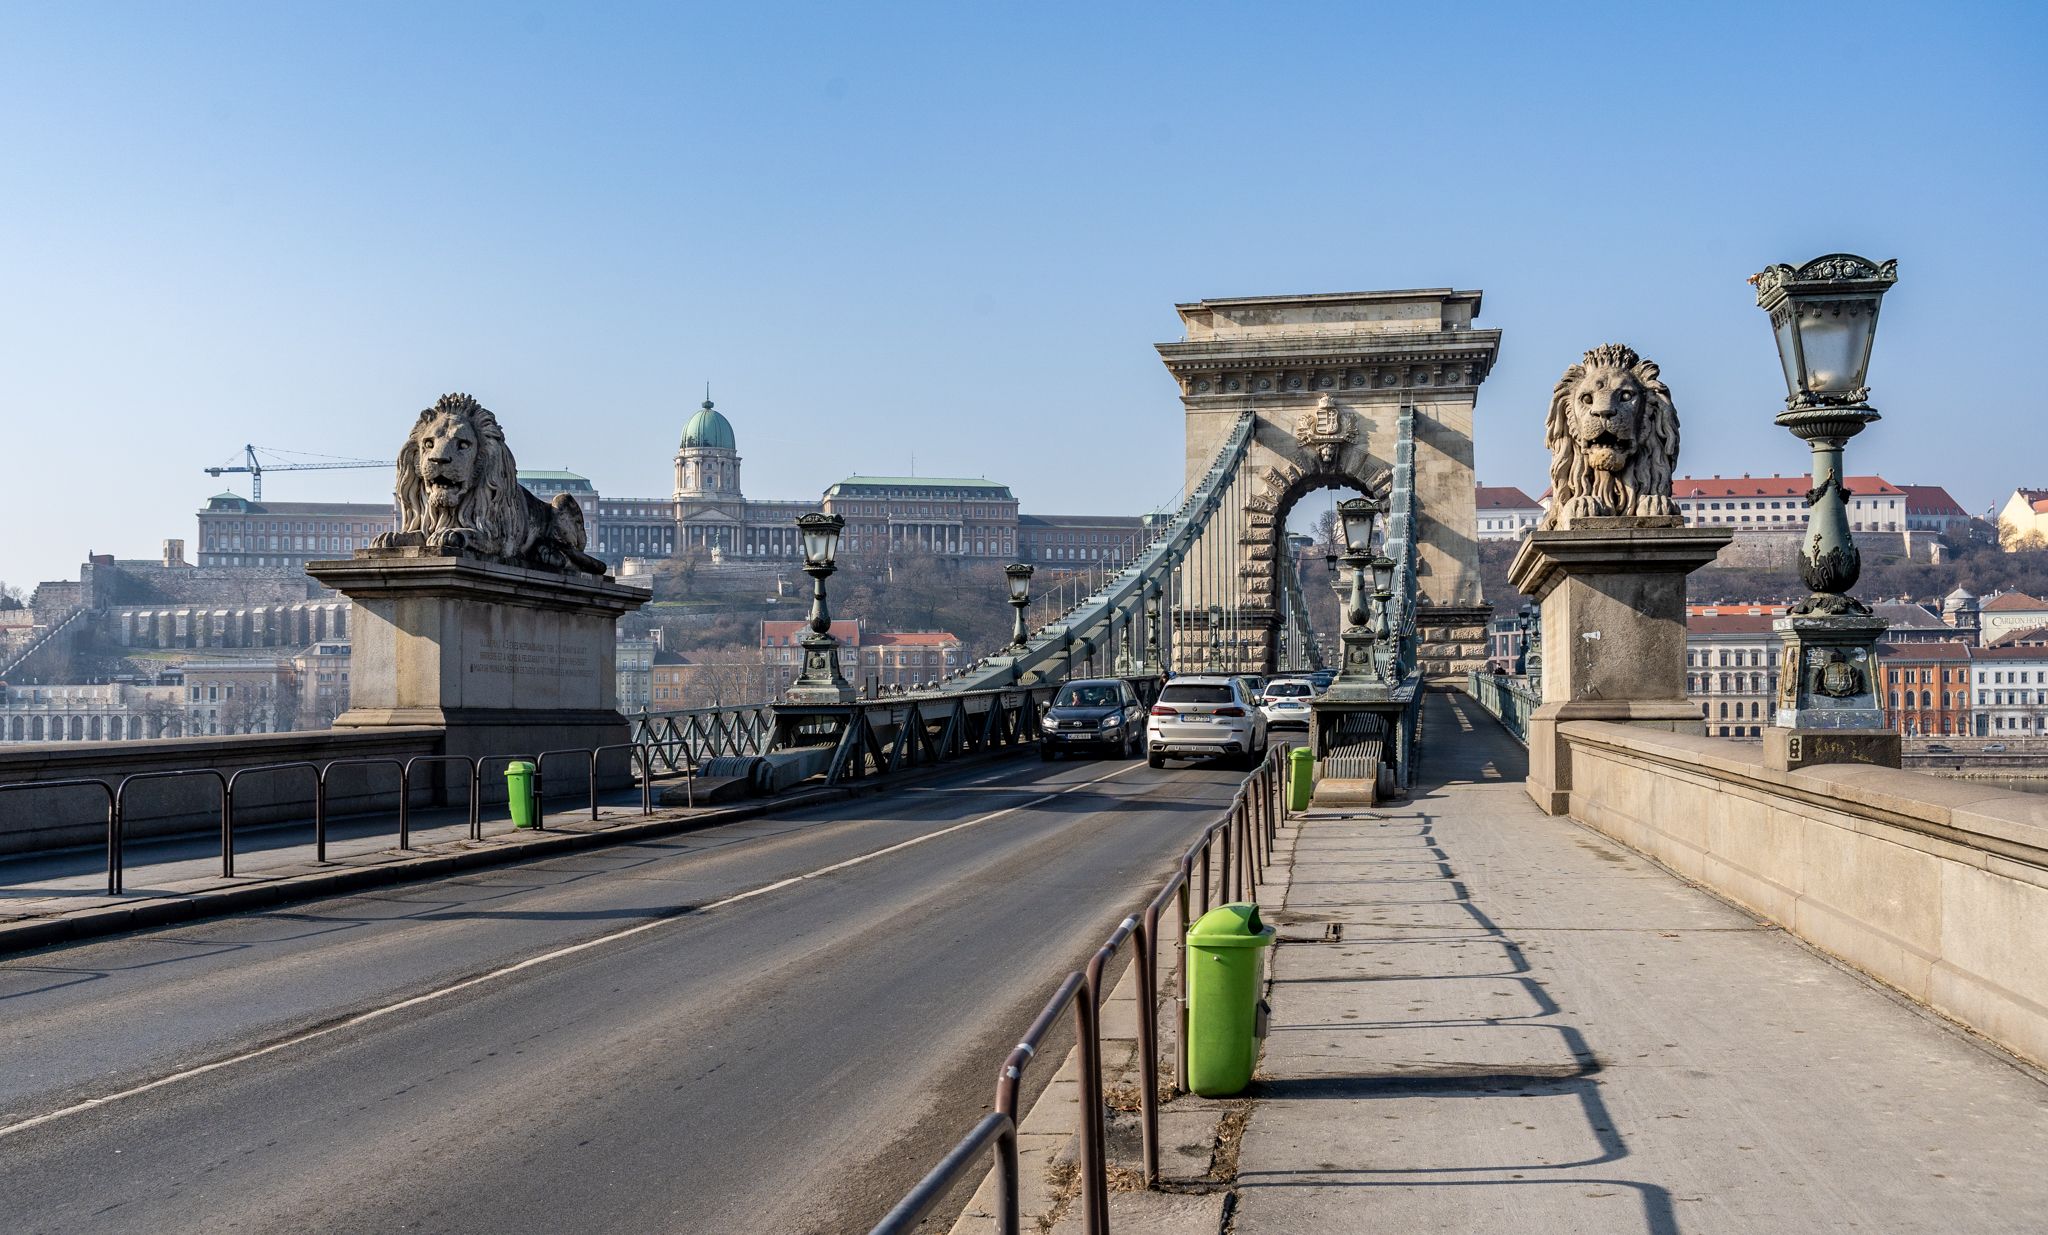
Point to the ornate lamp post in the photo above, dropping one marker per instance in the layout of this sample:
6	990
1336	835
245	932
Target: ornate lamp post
1824	318
1019	574
1383	621
1358	665
1215	637
1150	664
820	681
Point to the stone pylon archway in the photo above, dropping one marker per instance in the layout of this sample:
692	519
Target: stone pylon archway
1327	377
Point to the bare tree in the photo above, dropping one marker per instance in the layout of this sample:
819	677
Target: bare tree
724	676
162	717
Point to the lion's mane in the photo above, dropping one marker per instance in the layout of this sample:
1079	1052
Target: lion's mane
1643	486
492	509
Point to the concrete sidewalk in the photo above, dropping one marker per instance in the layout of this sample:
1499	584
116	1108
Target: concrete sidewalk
1488	1019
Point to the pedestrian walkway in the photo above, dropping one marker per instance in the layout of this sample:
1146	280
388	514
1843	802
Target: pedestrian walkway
1488	1019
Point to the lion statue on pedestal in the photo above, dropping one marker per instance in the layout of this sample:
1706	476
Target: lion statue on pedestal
459	491
1613	438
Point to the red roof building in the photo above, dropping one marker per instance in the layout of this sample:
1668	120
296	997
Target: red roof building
1929	508
1778	503
1505	512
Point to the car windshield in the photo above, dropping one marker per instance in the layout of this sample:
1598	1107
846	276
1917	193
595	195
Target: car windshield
1286	690
1090	695
1196	692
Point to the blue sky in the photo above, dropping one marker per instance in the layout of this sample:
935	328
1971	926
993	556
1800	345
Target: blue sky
959	229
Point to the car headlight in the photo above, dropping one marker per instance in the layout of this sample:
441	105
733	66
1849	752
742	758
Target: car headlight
1111	722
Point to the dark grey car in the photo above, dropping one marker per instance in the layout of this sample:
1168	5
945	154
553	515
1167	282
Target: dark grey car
1093	716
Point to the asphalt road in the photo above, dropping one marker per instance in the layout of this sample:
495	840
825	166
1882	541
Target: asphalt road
799	1019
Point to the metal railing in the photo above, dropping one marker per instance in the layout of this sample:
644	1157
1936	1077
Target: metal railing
113	821
642	764
1225	863
867	738
691	736
874	737
1508	700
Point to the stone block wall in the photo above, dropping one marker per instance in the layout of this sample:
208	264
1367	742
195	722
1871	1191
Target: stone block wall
1780	550
219	587
1450	642
1937	888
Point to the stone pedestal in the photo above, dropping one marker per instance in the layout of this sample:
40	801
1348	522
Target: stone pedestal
508	660
1613	597
821	681
1828	708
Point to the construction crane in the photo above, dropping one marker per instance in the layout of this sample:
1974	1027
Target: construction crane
256	467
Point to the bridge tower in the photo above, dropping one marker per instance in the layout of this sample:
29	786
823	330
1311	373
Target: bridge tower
1327	376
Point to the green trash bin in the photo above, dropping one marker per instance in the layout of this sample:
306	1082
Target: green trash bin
1301	777
1223	998
519	792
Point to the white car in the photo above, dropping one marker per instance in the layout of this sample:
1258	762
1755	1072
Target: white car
1285	703
1201	717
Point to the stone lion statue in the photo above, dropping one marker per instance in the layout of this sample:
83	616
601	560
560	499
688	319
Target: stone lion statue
459	491
1613	438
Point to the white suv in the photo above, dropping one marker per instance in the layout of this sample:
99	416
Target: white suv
1285	701
1198	717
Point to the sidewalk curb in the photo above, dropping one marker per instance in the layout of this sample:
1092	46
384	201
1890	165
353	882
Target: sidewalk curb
1048	1134
20	937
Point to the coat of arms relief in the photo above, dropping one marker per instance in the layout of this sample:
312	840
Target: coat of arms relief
1325	431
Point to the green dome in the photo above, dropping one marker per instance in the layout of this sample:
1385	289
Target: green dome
709	428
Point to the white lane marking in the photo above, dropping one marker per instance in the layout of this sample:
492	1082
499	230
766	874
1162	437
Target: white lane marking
554	954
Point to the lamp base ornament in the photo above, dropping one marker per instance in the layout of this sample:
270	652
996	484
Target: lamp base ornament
1829	710
821	680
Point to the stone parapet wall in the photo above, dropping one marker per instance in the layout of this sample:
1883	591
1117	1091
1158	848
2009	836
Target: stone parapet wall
222	587
1936	887
35	819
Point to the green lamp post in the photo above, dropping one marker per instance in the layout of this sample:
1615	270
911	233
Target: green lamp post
1824	319
1019	574
1359	663
820	680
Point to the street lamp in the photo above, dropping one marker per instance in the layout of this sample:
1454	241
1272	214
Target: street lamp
1019	574
1382	592
1215	635
820	681
1824	318
1357	515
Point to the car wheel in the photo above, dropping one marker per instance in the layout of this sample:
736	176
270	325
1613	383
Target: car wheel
1154	759
1045	754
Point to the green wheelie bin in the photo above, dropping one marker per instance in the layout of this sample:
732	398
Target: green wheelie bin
1301	777
1223	998
519	792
